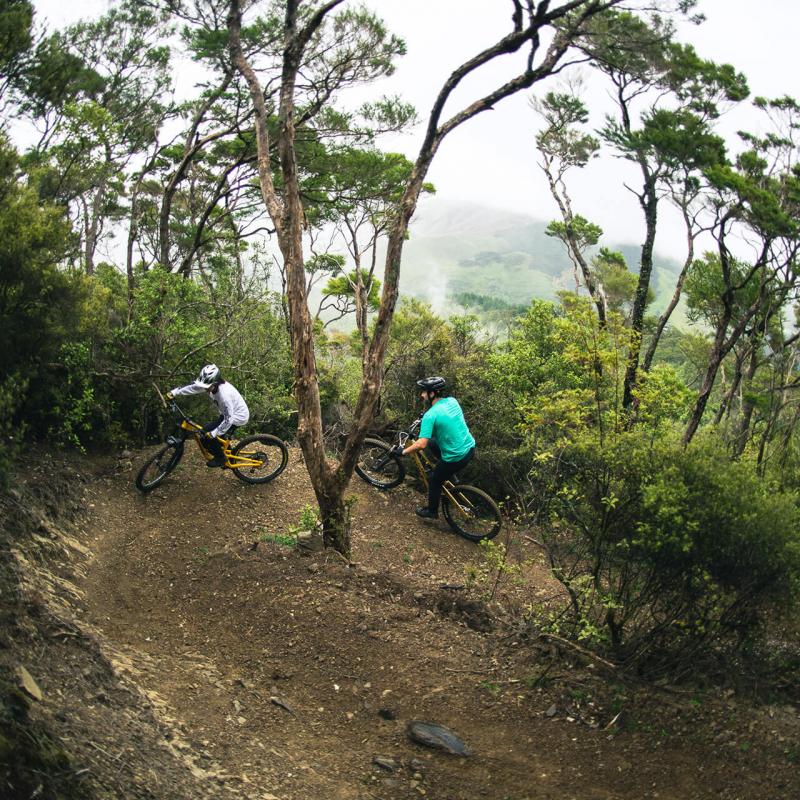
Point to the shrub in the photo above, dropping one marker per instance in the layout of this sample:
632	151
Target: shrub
665	551
662	550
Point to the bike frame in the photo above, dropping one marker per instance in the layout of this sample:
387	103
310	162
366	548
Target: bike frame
422	460
464	506
192	429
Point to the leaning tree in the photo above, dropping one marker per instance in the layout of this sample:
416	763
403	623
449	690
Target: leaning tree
349	44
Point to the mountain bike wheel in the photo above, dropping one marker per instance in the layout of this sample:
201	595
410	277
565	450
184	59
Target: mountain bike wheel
474	515
378	467
157	467
271	451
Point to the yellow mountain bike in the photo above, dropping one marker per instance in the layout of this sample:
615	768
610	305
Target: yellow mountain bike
255	459
469	511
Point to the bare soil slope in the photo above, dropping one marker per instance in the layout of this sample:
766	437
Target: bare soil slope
274	674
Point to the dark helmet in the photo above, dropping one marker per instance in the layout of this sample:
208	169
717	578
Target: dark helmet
432	384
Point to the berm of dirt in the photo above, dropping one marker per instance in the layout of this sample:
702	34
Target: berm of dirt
180	645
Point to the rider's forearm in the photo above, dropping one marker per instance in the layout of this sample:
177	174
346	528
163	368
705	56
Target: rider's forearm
191	388
420	444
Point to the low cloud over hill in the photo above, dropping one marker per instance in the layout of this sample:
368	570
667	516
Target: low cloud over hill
459	247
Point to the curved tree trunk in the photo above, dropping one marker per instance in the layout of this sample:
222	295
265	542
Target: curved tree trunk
748	405
649	203
329	479
593	286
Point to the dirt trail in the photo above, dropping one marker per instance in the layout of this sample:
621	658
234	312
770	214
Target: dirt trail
284	675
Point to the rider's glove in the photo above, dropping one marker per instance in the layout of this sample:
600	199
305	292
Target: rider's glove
397	450
170	396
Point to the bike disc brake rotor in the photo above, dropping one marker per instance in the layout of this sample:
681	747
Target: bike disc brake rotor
258	456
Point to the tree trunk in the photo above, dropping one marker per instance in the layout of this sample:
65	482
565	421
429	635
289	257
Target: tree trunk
736	382
191	148
650	353
748	406
336	522
133	233
649	203
595	288
719	350
766	437
330	480
785	447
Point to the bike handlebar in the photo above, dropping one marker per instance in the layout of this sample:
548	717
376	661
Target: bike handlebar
404	436
178	412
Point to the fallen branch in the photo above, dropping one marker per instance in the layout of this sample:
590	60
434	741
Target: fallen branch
346	560
578	649
534	541
281	703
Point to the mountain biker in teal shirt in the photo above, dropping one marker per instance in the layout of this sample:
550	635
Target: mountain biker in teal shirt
443	426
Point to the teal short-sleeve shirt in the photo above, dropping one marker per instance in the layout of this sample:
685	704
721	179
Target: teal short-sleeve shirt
444	423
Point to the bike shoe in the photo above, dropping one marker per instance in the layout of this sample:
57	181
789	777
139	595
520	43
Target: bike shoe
216	462
426	513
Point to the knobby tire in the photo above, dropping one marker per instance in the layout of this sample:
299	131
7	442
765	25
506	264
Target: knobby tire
273	452
378	466
476	517
158	466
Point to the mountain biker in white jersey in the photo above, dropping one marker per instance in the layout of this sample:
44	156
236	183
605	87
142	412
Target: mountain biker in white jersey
233	411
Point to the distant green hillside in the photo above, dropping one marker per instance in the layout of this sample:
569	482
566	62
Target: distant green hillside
456	249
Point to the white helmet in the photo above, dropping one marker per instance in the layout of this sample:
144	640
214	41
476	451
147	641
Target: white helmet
209	375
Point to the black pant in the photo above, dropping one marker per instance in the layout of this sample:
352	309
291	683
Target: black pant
444	470
213	444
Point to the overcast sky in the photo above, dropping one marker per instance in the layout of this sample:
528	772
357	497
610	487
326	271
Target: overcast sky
491	160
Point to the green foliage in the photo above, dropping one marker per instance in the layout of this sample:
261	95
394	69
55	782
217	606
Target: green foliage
325	262
494	689
664	551
41	72
618	282
484	302
580	230
16	40
343	286
340	376
495	567
75	400
353	181
309	517
39	304
562	138
281	539
83	359
661	550
701	82
706	291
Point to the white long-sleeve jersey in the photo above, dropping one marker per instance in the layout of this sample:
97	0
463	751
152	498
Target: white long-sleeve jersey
229	402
